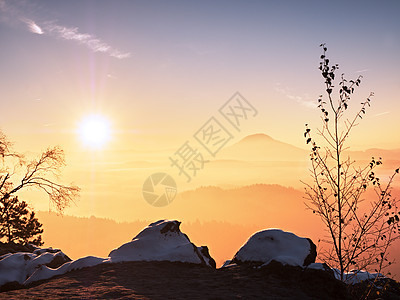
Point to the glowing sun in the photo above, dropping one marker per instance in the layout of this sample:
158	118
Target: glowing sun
94	131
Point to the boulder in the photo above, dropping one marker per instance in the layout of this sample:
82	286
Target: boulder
276	245
16	268
162	241
58	260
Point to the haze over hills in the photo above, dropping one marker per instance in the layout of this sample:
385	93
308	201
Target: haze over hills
254	159
222	219
79	237
259	158
252	207
387	155
261	147
208	212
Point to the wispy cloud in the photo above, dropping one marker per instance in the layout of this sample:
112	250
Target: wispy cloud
12	11
111	76
32	26
382	113
304	100
90	41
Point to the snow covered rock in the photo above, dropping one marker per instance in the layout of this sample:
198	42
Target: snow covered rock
57	259
162	241
276	245
18	267
44	272
320	266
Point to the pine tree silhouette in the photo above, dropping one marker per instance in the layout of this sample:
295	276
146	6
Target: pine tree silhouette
18	224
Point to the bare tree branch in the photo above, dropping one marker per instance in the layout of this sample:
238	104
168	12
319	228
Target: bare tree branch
37	173
359	235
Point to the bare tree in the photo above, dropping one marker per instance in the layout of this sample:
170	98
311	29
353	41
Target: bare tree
360	231
17	174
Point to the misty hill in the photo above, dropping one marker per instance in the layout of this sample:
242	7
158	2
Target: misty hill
259	158
208	213
80	237
252	204
387	155
261	147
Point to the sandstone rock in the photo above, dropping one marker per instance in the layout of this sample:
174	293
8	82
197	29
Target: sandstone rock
162	241
18	267
276	245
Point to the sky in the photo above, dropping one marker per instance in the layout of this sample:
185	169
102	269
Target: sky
157	71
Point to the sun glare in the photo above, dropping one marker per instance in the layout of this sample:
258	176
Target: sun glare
94	131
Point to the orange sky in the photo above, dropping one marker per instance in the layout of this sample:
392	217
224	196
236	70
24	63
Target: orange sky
158	72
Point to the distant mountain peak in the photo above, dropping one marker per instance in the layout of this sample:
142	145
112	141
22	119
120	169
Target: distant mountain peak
262	147
257	137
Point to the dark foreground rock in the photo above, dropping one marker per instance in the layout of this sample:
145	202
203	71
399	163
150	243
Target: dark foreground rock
174	280
162	241
11	247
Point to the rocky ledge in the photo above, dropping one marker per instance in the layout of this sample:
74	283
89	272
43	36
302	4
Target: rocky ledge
162	263
176	280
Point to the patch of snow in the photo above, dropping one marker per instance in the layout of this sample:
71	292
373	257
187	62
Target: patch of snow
44	272
357	276
13	267
39	251
20	266
274	244
317	266
227	263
